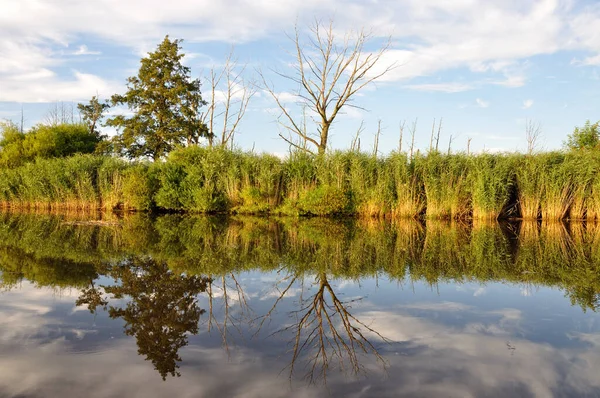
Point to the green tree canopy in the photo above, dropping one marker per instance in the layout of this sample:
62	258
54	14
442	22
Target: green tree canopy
44	141
586	137
11	144
165	102
92	114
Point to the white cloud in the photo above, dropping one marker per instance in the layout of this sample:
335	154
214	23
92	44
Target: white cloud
83	50
48	87
284	97
481	103
527	104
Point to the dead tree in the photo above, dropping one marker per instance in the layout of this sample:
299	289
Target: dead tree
329	72
60	113
355	146
413	131
377	135
230	94
533	131
402	125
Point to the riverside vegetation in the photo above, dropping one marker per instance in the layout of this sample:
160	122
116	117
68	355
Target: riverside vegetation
549	186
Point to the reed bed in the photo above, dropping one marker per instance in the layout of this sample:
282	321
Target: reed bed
548	186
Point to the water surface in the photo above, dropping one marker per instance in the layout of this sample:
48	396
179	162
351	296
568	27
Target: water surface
143	306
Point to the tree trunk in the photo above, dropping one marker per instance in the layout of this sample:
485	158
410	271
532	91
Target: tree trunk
324	136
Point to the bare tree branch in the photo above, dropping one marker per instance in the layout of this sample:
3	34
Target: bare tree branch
533	131
230	94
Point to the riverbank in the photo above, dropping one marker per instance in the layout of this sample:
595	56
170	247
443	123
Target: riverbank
549	186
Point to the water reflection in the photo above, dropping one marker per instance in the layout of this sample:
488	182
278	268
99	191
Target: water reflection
161	308
295	290
323	330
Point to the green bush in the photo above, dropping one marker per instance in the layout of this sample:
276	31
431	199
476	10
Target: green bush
324	201
139	187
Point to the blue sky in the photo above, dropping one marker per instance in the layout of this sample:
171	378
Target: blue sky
485	67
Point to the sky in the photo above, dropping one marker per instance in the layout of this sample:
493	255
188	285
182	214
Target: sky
484	67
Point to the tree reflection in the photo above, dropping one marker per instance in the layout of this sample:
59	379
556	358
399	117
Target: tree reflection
162	308
229	290
325	333
92	297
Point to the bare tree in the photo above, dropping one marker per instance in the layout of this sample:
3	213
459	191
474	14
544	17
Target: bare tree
355	146
413	131
22	126
60	113
377	135
533	131
402	125
329	71
434	136
230	94
439	131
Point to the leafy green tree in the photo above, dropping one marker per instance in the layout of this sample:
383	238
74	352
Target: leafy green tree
58	141
165	101
11	144
92	114
44	141
586	137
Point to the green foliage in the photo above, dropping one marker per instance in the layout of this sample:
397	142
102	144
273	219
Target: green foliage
323	201
11	145
111	176
446	184
58	141
44	142
586	137
139	187
92	114
197	179
492	180
165	102
409	193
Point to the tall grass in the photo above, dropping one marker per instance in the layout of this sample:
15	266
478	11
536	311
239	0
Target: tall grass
492	181
409	193
446	183
550	186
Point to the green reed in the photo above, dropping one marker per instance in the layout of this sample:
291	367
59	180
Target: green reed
549	186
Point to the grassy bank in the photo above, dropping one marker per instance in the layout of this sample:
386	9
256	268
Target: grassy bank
549	186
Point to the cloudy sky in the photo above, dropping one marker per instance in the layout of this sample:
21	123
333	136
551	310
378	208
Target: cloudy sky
484	66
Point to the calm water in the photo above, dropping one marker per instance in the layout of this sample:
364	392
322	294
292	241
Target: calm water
195	306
